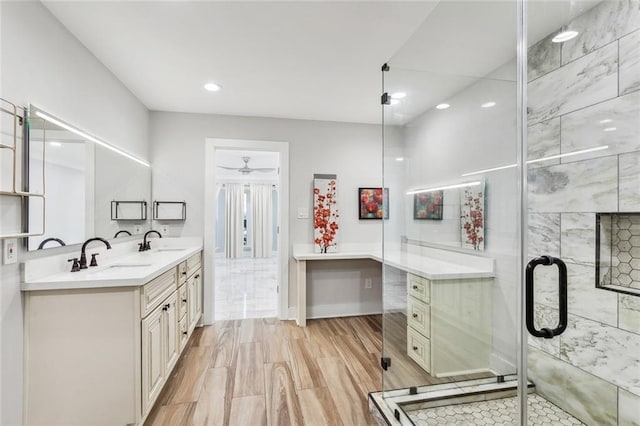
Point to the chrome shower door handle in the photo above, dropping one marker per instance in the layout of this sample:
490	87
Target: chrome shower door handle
547	333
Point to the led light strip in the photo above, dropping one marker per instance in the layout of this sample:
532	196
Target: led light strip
538	160
91	138
439	188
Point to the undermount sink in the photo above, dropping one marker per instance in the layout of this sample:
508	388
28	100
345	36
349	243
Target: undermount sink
171	249
129	265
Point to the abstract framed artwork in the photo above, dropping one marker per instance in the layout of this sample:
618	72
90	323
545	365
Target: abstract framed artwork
374	203
428	205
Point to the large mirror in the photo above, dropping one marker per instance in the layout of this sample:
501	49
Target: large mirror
91	189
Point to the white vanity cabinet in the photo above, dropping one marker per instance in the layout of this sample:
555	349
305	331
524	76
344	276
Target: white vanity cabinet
160	340
100	356
194	290
449	324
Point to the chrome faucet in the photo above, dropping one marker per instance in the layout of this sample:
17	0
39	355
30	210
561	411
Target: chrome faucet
57	240
83	255
146	245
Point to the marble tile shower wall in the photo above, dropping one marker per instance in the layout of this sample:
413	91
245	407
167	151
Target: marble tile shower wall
582	94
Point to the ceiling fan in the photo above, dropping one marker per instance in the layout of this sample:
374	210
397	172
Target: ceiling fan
245	170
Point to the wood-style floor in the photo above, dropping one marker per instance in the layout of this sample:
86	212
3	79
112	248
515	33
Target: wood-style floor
270	372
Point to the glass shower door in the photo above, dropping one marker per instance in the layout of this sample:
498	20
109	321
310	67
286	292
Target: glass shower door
452	241
583	196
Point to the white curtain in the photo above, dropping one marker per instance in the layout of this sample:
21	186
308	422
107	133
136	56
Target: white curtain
261	220
233	220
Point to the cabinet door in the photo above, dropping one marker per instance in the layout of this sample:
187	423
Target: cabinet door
152	354
198	309
171	332
193	298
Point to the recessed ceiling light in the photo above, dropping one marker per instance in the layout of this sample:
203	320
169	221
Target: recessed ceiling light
55	143
488	104
399	159
609	129
563	36
605	121
398	95
212	87
442	106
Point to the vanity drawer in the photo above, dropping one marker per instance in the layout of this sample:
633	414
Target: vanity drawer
193	264
418	287
418	316
154	292
182	272
184	332
182	301
419	349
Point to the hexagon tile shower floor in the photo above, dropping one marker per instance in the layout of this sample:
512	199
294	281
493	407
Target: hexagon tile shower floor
493	412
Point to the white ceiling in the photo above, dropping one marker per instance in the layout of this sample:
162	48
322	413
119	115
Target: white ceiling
301	59
293	59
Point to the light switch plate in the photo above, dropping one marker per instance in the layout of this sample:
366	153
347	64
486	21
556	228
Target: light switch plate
303	213
9	251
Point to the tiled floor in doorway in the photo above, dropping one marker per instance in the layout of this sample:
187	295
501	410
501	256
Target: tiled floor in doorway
493	412
246	287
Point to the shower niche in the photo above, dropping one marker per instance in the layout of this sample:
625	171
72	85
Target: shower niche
618	252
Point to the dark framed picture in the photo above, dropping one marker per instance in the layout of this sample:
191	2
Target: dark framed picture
374	203
428	205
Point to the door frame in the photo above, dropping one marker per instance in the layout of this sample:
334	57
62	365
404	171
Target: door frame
282	148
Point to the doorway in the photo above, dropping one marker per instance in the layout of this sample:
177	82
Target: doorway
245	240
246	254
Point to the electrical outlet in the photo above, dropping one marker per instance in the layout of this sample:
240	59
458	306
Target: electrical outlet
9	251
367	283
164	230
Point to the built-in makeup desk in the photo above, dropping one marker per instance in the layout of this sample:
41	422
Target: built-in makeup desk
449	302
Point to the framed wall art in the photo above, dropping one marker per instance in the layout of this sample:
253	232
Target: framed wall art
428	205
374	203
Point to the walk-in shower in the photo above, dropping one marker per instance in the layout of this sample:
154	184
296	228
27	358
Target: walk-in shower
511	138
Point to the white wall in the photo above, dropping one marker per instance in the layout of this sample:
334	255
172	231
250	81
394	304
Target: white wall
352	151
43	64
66	198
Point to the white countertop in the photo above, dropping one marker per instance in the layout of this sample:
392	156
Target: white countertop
131	270
423	265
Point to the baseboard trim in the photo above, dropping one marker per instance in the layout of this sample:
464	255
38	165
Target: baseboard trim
339	310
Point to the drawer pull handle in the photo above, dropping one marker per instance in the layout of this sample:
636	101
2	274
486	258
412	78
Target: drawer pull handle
415	348
415	315
197	276
184	273
184	300
184	332
415	287
166	307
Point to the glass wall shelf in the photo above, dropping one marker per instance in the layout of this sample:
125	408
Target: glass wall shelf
169	210
128	210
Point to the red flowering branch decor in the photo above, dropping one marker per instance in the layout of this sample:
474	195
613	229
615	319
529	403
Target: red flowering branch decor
472	219
325	215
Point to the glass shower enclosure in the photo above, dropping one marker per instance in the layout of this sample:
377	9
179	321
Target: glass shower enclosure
511	291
